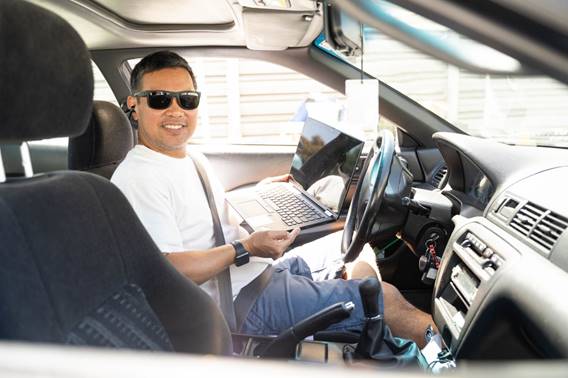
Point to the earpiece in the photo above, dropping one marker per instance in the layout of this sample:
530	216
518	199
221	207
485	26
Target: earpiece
129	112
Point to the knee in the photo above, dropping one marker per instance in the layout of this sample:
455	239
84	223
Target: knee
388	289
391	294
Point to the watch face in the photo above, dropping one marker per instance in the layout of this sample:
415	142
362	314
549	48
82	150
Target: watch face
242	256
242	259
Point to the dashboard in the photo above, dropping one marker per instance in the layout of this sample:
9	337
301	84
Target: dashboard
500	290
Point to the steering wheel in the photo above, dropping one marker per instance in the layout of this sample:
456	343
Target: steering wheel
368	197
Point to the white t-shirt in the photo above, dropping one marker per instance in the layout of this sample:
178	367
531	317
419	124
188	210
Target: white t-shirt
167	195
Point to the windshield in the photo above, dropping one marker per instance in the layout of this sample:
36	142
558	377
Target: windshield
523	110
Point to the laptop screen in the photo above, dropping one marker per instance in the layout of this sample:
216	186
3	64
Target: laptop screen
324	163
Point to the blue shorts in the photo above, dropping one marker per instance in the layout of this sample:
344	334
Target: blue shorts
292	295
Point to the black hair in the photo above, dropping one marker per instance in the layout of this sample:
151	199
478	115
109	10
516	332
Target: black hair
157	61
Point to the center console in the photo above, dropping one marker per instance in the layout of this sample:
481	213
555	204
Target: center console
474	257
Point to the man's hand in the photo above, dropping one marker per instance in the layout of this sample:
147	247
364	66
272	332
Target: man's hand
281	178
269	243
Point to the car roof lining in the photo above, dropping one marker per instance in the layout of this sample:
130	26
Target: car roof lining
102	28
110	24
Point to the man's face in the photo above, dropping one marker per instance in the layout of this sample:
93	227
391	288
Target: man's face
166	131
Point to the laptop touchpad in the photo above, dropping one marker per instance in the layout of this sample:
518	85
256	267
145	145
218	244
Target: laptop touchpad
251	209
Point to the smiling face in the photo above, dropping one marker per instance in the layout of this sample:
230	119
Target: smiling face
166	131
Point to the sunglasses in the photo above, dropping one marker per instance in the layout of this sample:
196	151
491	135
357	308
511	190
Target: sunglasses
161	100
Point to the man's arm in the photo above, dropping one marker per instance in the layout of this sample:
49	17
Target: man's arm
202	265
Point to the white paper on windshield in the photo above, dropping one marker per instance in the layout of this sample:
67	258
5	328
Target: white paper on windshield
362	106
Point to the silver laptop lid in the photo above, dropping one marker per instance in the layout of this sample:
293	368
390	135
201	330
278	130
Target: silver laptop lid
324	163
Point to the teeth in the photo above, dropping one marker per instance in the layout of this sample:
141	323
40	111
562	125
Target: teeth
174	127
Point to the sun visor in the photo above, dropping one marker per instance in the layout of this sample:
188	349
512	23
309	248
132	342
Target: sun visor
279	24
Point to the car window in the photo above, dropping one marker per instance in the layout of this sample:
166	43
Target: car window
102	91
254	102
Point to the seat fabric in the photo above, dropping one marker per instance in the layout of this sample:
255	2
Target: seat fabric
70	240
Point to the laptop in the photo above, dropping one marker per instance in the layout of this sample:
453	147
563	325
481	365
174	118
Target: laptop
322	170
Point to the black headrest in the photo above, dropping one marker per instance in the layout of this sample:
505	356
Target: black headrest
105	143
45	74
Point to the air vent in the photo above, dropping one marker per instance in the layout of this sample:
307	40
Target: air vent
439	177
526	218
539	225
549	229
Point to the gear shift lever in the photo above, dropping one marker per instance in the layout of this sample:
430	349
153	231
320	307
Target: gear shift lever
370	290
376	343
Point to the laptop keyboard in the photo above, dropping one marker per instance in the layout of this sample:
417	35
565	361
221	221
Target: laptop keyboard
292	208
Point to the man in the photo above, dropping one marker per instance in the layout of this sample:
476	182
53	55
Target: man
162	184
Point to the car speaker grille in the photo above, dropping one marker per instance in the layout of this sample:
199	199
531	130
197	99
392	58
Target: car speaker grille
439	177
540	225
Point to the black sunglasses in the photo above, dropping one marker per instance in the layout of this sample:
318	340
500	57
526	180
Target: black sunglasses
187	100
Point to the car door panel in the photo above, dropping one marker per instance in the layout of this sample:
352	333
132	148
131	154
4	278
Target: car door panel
44	158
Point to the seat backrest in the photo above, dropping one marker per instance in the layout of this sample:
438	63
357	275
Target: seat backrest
77	266
105	143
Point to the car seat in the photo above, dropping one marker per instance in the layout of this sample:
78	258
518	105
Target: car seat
77	265
105	142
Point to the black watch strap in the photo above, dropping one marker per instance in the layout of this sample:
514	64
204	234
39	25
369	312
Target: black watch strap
242	256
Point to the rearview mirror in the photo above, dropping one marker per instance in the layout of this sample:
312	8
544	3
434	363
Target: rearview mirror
342	31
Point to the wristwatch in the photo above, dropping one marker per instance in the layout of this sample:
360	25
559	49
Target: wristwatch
242	256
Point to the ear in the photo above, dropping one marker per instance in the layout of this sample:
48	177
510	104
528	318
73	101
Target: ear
131	103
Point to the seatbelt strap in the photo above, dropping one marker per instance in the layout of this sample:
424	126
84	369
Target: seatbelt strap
223	278
249	294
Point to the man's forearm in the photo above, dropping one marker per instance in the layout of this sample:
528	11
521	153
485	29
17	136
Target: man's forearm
202	265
